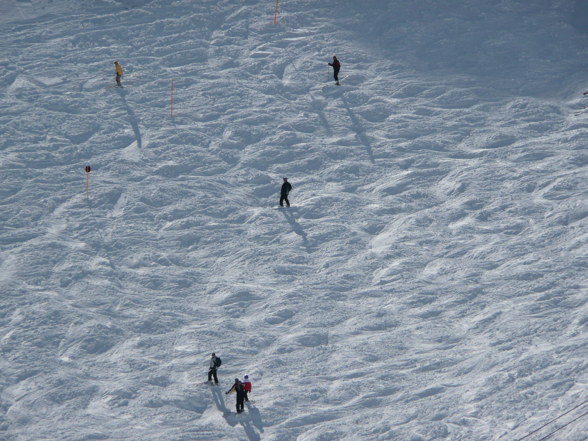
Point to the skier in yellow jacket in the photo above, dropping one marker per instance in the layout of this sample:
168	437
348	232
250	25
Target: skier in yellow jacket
119	73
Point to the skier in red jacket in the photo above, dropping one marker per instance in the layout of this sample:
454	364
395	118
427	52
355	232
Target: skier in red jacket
246	386
336	67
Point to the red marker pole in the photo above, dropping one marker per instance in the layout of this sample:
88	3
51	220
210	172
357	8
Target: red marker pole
276	13
88	169
171	101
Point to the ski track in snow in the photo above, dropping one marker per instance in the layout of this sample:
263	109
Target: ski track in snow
428	282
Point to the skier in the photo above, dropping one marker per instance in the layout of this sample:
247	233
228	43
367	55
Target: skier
238	389
119	73
214	365
246	386
286	187
336	67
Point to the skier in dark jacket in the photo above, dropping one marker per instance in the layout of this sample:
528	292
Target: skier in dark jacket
238	389
213	367
336	67
286	187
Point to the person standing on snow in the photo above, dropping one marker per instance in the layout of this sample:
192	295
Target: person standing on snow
214	365
119	73
286	187
336	67
246	386
238	389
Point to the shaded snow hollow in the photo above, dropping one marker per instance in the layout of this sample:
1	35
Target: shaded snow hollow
428	282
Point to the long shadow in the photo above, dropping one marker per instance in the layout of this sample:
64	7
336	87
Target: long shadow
132	118
255	416
247	420
359	131
287	212
219	400
317	107
250	431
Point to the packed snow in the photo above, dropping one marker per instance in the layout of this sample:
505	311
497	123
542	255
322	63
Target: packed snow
429	281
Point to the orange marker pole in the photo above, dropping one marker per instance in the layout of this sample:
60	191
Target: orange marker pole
171	103
276	13
88	169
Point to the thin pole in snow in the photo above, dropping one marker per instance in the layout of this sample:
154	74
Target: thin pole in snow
276	13
171	100
88	169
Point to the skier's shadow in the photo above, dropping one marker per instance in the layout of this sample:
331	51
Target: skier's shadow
359	130
219	400
255	417
132	118
287	212
246	420
318	108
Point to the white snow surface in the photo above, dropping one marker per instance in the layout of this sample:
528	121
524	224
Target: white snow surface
429	281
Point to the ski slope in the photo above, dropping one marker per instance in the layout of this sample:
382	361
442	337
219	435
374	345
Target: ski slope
428	283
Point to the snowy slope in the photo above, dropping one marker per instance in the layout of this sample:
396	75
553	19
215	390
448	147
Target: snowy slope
428	282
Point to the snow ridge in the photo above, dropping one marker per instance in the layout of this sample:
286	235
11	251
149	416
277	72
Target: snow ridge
428	282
